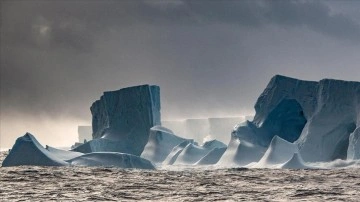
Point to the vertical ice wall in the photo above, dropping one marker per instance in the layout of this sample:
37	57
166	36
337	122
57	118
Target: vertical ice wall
121	119
320	115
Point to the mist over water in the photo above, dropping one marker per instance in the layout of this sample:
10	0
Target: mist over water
55	131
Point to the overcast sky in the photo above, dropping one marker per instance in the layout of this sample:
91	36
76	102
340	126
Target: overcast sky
210	58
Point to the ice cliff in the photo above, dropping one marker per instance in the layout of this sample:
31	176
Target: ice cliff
317	116
121	120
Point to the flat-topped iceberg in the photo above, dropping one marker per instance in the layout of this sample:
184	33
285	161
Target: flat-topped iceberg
121	120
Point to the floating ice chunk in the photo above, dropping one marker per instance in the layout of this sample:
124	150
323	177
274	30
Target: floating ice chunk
240	153
160	144
175	152
212	157
296	162
279	152
192	153
28	151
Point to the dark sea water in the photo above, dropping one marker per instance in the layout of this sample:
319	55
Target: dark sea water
33	183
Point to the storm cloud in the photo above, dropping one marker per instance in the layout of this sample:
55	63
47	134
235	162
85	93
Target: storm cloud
210	58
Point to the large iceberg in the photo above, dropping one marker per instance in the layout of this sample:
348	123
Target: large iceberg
160	144
318	116
121	120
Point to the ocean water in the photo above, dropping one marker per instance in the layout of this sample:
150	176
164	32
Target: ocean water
33	183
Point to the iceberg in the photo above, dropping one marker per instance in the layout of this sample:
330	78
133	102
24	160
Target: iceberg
160	144
175	152
121	120
279	152
192	152
296	162
212	157
28	151
111	159
240	153
317	116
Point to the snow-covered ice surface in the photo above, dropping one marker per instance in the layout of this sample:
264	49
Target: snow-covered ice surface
34	183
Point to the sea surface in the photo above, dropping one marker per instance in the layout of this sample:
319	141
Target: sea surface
33	183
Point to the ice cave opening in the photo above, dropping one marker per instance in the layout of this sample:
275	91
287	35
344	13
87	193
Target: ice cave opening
286	120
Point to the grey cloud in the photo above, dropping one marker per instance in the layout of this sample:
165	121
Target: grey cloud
209	57
73	24
314	15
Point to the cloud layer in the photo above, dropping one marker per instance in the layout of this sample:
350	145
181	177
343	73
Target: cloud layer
211	58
